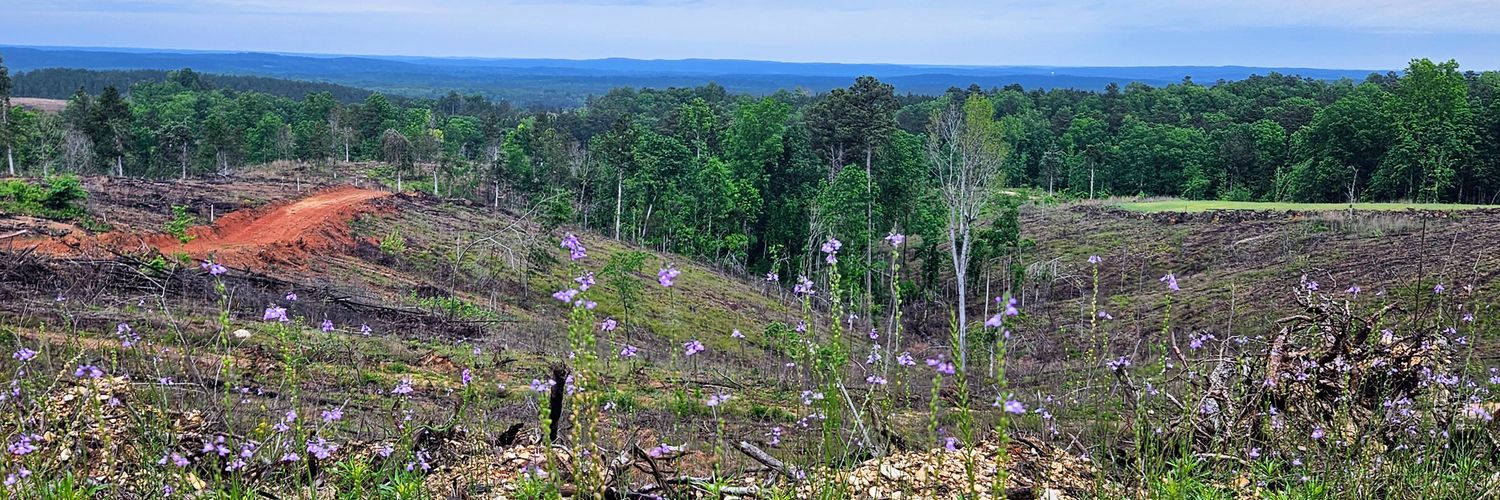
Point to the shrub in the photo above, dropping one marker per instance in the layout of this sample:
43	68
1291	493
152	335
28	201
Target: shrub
60	197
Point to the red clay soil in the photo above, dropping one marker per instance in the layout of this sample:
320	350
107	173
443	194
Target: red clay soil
285	233
280	234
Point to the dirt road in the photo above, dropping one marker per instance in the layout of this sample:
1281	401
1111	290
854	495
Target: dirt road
286	232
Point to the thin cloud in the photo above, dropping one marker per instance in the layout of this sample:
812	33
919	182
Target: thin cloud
1328	33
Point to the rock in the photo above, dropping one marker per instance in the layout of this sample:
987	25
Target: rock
891	472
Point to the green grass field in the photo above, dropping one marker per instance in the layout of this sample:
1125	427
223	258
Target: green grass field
1207	205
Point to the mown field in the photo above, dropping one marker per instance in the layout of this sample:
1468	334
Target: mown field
1209	205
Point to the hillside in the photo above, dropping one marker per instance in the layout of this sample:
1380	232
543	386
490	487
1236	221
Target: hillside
423	293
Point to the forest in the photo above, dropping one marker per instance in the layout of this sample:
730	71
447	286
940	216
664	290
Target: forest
61	83
735	179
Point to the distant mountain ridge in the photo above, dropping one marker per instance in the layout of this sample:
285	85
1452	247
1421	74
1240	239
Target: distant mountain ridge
567	82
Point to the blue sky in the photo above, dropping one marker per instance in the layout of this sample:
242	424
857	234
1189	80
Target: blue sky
1364	34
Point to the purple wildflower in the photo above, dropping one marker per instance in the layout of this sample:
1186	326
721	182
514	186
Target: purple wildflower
942	366
895	239
575	249
771	277
585	281
1171	281
609	325
629	351
905	359
327	325
660	450
216	447
692	347
321	448
736	334
804	286
23	354
466	377
1438	289
24	444
213	268
831	247
364	329
1014	407
565	295
1094	259
403	387
88	371
128	336
274	313
718	399
333	414
666	275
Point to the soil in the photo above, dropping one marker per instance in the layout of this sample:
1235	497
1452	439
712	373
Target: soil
285	233
279	234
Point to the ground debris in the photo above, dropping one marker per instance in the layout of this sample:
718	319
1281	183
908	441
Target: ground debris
1031	470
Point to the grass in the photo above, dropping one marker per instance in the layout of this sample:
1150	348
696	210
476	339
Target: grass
1073	405
1211	205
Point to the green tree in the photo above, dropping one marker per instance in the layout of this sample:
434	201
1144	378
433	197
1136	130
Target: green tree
313	127
1434	126
1335	156
109	128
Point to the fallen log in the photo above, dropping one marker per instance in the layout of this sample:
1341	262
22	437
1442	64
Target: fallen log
790	472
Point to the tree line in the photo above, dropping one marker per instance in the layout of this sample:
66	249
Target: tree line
754	182
61	83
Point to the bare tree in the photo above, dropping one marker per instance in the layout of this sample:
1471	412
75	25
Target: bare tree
580	167
396	150
966	149
78	150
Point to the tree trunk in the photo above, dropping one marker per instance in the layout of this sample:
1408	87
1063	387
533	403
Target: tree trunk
10	159
958	249
619	191
1091	180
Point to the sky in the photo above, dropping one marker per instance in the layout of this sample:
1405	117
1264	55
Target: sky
1355	34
